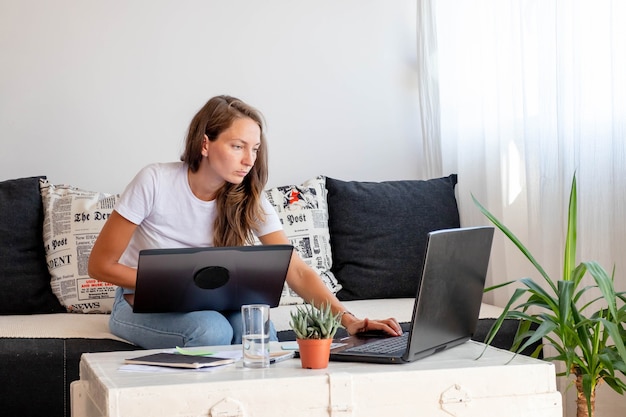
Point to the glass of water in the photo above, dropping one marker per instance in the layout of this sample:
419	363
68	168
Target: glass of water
256	335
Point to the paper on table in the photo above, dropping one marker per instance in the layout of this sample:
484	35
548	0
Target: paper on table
194	352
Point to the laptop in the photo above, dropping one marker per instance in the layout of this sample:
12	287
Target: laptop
220	279
447	304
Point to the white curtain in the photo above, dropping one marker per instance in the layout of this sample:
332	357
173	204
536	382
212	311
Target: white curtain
517	97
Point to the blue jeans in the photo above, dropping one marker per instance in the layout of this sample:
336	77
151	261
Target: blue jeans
168	330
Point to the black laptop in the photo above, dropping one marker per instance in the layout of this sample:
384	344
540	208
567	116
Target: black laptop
220	279
447	305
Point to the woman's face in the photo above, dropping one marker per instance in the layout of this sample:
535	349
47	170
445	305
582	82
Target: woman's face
231	156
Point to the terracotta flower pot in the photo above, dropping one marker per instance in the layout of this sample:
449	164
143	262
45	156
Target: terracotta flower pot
314	353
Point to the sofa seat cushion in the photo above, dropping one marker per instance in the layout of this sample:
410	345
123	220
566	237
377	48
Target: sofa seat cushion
96	326
399	308
61	326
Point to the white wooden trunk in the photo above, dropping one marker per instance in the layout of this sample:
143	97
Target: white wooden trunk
450	383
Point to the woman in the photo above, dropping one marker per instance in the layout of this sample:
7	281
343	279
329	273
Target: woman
213	197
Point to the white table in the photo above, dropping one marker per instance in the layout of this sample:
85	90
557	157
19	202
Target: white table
450	383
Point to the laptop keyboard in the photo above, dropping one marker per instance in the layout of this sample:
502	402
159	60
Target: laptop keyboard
382	346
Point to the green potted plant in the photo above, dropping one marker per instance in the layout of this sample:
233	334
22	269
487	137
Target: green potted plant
314	329
584	324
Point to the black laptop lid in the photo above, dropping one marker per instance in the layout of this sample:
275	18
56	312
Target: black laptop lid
450	292
447	303
220	279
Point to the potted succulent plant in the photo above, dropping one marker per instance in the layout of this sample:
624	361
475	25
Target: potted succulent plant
314	329
583	324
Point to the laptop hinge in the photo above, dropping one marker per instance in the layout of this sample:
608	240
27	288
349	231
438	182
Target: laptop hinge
340	390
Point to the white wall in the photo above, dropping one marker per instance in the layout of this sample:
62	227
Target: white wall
92	90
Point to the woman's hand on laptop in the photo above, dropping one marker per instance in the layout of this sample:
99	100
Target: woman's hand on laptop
389	326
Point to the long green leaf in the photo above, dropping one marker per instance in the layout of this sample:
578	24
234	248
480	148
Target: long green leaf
565	290
544	329
539	296
498	323
495	287
605	284
569	260
614	332
515	241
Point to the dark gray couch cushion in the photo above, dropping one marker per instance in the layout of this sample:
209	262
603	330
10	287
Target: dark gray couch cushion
24	277
378	232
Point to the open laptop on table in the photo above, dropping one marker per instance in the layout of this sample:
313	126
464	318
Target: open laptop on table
220	279
447	305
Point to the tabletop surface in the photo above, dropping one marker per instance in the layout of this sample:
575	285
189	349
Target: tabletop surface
109	368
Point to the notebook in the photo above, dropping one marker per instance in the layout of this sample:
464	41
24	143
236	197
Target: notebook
447	304
176	360
220	279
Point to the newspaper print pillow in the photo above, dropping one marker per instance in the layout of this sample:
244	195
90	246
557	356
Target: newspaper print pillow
303	213
73	219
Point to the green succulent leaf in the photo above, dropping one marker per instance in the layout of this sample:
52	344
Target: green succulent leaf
310	322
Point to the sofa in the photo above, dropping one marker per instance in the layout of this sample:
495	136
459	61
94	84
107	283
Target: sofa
365	239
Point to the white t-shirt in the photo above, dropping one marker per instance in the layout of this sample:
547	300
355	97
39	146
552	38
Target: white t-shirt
168	214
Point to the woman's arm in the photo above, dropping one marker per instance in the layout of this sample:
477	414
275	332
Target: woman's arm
106	252
308	285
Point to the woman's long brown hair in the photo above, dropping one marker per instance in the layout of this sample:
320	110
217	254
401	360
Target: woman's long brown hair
238	206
